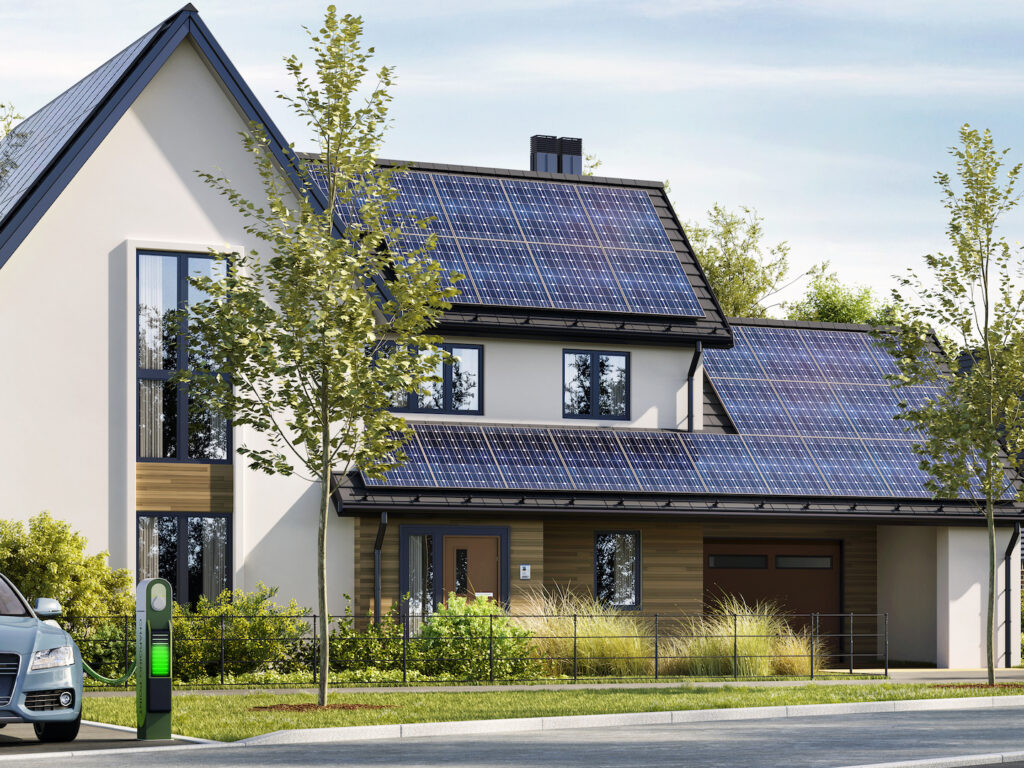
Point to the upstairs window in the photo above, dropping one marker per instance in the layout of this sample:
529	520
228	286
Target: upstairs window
171	426
595	385
459	388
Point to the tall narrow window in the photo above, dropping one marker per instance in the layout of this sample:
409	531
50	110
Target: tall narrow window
459	385
617	568
192	552
595	385
171	425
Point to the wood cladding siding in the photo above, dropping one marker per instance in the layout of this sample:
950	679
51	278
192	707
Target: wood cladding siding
526	546
174	487
671	565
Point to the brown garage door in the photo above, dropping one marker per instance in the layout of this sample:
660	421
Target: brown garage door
801	577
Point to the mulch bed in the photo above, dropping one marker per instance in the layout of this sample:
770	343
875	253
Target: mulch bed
314	707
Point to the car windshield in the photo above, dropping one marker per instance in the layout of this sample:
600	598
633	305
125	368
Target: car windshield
10	604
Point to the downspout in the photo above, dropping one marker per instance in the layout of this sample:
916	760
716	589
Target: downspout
698	355
381	530
1007	624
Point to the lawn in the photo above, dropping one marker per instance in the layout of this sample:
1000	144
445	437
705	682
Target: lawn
228	717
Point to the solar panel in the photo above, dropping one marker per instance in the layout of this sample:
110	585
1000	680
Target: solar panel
527	458
723	463
579	277
753	407
847	467
738	362
842	356
871	408
414	473
787	466
504	273
899	465
446	253
477	207
595	460
813	408
459	456
37	140
654	282
549	213
660	462
624	218
781	353
417	200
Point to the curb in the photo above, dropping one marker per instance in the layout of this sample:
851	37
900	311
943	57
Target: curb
950	762
129	729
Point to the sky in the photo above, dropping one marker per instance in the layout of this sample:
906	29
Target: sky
829	117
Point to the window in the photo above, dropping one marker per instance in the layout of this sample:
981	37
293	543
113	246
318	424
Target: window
460	389
170	425
617	568
809	562
749	562
192	552
595	385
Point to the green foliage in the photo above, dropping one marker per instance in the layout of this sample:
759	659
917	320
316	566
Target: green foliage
743	273
591	162
259	634
378	647
8	120
828	300
972	295
464	638
47	558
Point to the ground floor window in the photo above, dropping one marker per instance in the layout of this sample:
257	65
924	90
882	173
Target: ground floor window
191	551
617	568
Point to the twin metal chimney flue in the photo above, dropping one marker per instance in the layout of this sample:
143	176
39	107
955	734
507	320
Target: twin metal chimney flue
556	155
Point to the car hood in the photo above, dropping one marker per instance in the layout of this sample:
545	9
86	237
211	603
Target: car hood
24	634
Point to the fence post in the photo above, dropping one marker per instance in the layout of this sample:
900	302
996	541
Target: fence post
222	650
405	648
655	646
490	651
886	631
574	657
851	642
735	648
814	624
316	654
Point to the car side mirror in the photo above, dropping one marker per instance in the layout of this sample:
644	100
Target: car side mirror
48	608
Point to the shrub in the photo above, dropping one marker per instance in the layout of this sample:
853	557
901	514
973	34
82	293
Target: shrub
467	639
609	642
377	647
259	635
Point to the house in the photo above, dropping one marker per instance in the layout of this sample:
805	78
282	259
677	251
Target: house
603	426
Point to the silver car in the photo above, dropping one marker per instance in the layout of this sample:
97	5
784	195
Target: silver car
40	667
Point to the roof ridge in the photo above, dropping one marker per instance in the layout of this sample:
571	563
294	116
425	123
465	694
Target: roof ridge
810	325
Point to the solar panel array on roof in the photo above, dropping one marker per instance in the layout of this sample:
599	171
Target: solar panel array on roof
34	143
555	245
630	461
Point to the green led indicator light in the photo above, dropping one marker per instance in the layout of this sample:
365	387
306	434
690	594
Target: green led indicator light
160	660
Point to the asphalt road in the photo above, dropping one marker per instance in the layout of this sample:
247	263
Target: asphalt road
20	739
808	742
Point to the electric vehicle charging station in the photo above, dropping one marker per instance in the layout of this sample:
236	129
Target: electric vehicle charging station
153	658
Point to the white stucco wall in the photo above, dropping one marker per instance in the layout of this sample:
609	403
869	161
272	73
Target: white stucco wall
522	383
907	589
962	594
67	334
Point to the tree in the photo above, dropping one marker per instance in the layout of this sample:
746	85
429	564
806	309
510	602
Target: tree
741	271
974	429
830	301
8	120
303	347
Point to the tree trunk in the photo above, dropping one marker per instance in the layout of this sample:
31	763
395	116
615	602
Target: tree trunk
321	585
990	519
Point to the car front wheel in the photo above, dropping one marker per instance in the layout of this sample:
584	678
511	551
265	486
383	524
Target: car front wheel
51	732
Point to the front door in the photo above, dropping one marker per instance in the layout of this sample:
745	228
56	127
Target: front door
472	566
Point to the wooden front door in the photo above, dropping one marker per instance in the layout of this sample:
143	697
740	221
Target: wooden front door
472	566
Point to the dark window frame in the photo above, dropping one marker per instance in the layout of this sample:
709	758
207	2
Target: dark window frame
181	352
595	385
180	585
637	570
439	532
413	398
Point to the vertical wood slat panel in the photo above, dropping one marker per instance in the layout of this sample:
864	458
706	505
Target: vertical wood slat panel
173	487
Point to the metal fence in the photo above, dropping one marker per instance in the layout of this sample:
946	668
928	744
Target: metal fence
237	650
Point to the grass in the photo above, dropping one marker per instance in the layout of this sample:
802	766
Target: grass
232	717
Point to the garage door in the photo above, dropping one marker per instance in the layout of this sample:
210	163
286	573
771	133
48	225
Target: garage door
800	576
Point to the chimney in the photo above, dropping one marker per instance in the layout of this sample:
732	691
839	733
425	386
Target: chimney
556	155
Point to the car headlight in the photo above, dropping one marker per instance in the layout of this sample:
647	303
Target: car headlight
63	656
